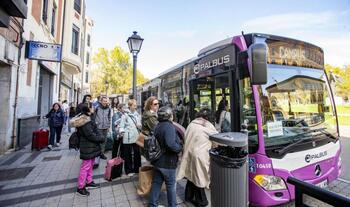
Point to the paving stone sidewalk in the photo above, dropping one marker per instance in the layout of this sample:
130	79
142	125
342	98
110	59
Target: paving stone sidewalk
48	178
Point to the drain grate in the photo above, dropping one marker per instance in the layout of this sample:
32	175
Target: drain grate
52	158
17	173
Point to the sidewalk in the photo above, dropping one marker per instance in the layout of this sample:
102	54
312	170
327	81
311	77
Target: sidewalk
48	178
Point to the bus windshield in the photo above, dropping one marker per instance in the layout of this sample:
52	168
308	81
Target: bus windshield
295	101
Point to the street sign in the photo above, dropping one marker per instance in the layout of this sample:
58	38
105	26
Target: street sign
43	51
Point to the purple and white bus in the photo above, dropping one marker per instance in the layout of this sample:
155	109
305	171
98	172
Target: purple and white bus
276	90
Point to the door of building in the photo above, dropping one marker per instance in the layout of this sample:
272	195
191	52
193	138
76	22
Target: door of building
45	92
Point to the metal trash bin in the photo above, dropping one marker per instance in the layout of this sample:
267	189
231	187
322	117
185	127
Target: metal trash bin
229	170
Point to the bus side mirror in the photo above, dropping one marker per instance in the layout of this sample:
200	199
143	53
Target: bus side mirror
257	53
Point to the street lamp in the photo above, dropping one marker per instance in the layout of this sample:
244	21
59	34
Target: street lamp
134	43
106	84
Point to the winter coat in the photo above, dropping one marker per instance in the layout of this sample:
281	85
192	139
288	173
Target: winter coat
165	133
195	160
128	127
90	138
56	118
149	121
103	117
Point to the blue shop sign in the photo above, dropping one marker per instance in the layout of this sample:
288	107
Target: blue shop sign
43	51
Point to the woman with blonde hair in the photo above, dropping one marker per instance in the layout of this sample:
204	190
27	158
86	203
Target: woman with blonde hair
129	128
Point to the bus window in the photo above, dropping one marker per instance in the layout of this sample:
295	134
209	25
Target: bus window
213	93
223	106
201	95
248	113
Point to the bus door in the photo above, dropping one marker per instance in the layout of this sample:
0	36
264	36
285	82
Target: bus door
213	92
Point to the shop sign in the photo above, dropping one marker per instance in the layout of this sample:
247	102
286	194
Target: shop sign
43	51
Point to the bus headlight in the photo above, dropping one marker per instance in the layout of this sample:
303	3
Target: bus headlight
270	182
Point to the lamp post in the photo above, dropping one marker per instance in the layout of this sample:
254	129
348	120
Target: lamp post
106	84
134	43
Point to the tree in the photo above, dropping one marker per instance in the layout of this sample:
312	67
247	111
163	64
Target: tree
114	67
342	80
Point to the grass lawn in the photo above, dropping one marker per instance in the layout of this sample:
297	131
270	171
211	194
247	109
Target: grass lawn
343	109
343	112
344	120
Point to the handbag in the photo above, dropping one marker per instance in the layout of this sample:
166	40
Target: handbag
141	138
145	180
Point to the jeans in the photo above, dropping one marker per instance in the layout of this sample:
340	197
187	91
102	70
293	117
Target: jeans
103	133
57	131
161	175
85	175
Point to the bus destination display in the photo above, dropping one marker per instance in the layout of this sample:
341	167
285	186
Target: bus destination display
294	54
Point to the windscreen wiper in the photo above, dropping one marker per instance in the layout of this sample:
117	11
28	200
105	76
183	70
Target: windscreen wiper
313	130
292	145
327	133
288	147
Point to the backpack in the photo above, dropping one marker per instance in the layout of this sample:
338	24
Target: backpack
225	125
152	148
74	141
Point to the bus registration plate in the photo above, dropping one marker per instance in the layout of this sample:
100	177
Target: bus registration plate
322	184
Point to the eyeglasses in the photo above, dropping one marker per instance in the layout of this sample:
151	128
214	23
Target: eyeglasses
155	104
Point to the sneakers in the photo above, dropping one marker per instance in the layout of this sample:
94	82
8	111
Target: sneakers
92	185
50	147
102	156
58	144
131	174
83	192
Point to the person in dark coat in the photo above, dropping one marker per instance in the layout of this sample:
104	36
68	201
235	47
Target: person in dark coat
72	114
90	148
85	102
165	166
56	118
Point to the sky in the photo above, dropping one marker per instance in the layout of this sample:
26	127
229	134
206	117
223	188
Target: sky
175	30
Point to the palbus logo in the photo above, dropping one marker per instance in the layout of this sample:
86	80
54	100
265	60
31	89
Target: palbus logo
309	157
212	63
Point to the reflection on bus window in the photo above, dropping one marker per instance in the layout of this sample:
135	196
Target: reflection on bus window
295	100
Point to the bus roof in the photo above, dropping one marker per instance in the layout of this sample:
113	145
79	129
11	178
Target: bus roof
228	41
177	66
215	46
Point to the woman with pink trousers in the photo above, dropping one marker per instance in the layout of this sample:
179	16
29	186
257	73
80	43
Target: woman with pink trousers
90	147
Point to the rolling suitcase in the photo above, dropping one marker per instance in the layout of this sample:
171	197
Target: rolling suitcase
114	167
40	139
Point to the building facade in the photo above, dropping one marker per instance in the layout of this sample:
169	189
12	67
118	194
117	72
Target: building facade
87	56
29	86
73	51
12	14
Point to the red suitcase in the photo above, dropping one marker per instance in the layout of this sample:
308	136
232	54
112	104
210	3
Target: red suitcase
40	139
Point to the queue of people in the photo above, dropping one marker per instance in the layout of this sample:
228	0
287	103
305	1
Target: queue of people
94	121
